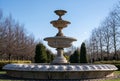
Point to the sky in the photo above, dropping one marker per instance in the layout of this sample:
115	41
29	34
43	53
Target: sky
35	15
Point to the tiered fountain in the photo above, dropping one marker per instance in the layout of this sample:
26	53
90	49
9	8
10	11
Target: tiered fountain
60	68
60	41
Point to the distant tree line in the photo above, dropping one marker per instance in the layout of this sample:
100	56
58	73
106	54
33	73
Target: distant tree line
104	42
17	44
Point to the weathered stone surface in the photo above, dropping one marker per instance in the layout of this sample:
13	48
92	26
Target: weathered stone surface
36	71
62	68
60	41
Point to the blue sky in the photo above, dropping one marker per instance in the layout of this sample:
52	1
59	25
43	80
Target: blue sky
36	15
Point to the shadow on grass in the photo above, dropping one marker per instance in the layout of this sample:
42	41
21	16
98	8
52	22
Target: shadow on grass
4	77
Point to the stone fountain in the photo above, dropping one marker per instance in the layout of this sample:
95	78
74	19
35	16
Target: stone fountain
60	68
60	41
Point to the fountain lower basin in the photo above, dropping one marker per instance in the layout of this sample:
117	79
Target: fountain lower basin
69	71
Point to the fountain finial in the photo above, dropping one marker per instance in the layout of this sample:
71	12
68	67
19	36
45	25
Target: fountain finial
60	24
60	13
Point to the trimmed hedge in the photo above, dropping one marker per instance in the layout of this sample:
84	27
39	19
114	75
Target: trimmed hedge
118	66
108	62
4	62
116	63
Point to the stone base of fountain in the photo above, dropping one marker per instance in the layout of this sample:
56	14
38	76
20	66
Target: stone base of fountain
71	71
60	75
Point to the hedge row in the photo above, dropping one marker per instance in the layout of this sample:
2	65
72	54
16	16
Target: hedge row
116	63
118	66
4	62
108	62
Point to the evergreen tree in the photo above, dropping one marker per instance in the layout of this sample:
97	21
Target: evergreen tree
40	54
74	58
50	56
83	57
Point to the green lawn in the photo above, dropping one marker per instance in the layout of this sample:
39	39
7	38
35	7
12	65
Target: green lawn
112	80
4	78
117	72
117	79
2	72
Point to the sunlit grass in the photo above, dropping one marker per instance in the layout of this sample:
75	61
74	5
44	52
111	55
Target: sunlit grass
116	79
2	72
15	61
113	80
117	72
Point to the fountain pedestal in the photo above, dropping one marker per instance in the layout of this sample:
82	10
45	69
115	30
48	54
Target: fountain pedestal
59	59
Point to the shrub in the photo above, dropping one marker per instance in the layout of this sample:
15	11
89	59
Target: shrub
118	66
40	54
107	62
83	55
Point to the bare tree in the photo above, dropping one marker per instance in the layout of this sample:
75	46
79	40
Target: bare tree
70	50
107	36
92	46
15	43
104	42
114	33
10	37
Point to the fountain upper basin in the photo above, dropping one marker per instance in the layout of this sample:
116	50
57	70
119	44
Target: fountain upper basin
60	23
60	41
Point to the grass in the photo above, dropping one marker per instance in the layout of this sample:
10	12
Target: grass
112	80
116	79
2	72
4	78
15	61
117	72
